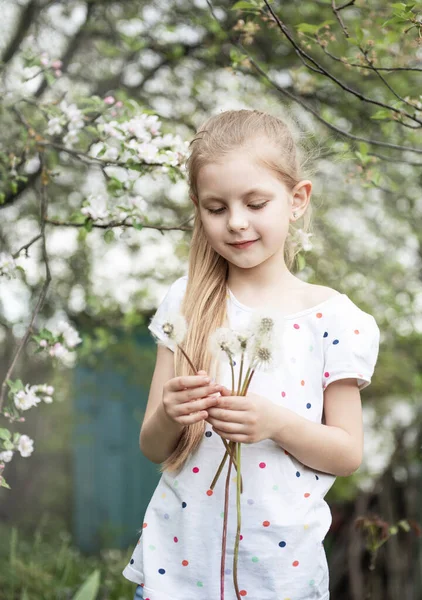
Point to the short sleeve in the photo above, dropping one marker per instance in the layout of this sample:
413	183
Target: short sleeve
351	349
169	305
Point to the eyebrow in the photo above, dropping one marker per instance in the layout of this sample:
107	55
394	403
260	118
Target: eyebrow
248	194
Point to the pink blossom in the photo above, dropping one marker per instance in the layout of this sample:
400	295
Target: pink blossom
58	73
57	64
119	104
109	100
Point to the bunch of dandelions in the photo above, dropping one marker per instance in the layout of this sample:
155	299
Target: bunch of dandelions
260	345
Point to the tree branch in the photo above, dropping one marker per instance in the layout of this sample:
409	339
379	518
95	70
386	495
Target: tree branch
43	294
321	70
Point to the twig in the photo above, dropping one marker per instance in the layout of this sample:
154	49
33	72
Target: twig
43	294
26	246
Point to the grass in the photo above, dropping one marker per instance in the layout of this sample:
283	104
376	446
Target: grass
47	566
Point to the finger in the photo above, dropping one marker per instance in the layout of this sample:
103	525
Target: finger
199	392
227	416
187	382
192	418
233	437
235	428
197	405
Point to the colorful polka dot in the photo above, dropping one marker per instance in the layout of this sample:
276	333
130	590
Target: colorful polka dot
357	331
262	465
184	505
199	584
144	525
163	495
255	559
297	474
228	571
243	593
325	334
326	374
167	516
302	382
176	483
283	394
335	342
307	495
275	487
185	563
161	571
240	537
151	547
316	477
208	433
285	452
308	405
175	539
210	493
312	582
266	523
296	326
195	469
295	563
311	348
250	501
131	561
282	544
318	315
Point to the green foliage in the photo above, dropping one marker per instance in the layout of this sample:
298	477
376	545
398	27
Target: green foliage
46	566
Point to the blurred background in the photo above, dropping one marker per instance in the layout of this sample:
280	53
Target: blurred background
98	102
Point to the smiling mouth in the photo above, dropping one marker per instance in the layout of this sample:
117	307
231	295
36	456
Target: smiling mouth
243	244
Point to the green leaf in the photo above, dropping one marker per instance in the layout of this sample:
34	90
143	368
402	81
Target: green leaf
382	113
138	226
109	236
404	525
5	434
242	5
393	529
88	225
3	483
89	590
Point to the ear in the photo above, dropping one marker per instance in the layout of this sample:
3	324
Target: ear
194	199
301	196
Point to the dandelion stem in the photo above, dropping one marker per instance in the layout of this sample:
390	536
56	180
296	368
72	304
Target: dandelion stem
226	510
236	545
240	374
229	450
188	359
232	370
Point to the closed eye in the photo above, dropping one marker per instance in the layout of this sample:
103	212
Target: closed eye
253	206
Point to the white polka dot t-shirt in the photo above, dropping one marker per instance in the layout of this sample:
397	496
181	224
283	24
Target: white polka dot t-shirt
284	515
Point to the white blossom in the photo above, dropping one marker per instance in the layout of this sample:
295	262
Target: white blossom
6	456
58	350
71	336
25	446
7	265
96	207
54	126
26	399
48	399
303	238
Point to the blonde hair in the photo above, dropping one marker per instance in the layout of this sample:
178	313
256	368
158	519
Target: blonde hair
204	303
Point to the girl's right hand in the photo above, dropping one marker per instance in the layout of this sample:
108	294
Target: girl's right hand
187	398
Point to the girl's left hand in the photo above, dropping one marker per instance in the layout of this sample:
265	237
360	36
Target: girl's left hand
247	419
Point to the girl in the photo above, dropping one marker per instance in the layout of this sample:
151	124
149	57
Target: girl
300	425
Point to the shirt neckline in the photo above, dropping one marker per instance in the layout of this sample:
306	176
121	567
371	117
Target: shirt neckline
295	315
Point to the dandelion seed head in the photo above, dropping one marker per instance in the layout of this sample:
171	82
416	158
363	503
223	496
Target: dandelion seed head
174	326
224	340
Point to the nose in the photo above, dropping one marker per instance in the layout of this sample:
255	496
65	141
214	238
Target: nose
237	221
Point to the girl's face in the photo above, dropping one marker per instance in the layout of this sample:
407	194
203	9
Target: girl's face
241	200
